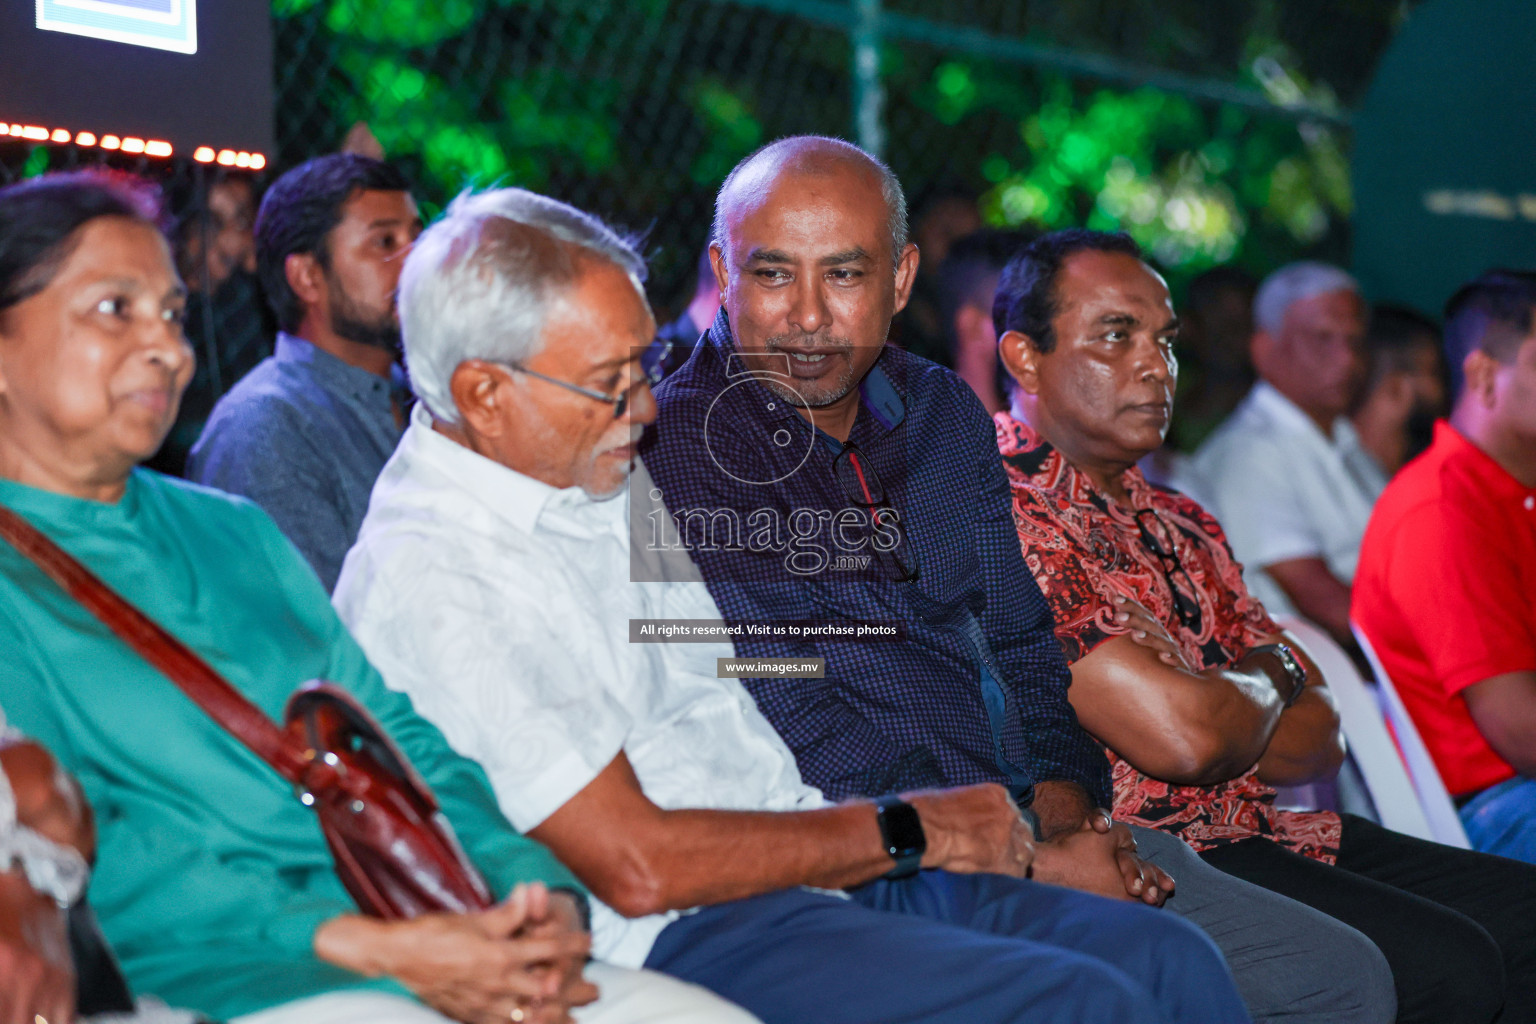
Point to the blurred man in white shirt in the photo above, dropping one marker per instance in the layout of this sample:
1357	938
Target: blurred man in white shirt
1286	473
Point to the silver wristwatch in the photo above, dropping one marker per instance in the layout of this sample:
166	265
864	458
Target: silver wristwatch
1293	668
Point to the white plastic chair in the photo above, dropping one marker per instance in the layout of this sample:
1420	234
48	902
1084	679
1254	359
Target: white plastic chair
1435	799
1402	803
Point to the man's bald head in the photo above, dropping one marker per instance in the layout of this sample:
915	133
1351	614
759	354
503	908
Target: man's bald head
810	155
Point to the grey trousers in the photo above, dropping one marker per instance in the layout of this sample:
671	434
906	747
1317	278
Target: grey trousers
1292	964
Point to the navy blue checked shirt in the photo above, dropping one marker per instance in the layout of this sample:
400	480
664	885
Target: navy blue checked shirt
975	688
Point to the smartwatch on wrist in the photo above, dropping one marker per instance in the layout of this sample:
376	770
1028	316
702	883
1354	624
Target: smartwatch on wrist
901	831
1292	665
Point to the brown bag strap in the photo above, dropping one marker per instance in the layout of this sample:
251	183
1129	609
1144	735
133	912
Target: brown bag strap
196	678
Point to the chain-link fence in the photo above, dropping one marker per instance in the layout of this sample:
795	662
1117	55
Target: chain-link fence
636	111
1208	133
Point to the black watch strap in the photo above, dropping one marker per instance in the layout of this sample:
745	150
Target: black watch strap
901	831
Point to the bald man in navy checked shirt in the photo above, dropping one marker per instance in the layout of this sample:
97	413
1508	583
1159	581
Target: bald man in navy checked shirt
975	631
819	477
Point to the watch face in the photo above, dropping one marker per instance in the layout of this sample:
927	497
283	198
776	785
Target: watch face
902	829
1292	664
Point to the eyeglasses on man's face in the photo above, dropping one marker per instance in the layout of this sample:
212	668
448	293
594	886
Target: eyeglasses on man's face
653	361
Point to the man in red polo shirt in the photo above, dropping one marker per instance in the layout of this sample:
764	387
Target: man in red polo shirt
1446	589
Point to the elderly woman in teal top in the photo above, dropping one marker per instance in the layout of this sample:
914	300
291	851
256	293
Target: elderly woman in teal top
212	882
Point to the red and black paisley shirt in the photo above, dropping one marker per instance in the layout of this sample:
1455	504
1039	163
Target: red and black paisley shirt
1084	550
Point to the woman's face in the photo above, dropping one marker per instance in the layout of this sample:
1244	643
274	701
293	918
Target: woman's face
93	366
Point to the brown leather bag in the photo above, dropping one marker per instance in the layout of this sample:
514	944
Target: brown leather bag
394	852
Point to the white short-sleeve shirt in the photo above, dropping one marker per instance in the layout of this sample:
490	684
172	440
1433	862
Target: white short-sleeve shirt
1282	489
502	606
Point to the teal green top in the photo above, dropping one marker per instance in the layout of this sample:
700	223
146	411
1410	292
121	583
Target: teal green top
211	877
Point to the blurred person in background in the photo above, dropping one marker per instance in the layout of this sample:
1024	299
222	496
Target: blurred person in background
966	281
218	239
1446	589
361	141
227	323
1404	390
1286	474
1215	372
943	217
305	433
683	333
1215	368
703	304
946	214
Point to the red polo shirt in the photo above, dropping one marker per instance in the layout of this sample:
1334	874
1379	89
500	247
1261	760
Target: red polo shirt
1446	593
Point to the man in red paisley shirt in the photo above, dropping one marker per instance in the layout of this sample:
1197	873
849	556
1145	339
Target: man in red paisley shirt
1202	704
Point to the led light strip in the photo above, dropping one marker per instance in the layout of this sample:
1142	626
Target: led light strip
229	158
131	144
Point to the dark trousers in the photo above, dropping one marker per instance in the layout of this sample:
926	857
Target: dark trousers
1458	927
942	948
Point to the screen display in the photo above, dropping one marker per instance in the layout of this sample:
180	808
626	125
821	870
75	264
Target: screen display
191	72
161	24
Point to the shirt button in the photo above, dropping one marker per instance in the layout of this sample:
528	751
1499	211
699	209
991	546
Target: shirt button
1530	502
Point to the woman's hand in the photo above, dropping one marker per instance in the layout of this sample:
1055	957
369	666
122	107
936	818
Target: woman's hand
552	915
519	961
37	978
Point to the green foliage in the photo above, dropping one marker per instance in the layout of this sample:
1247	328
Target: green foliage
416	114
955	91
552	112
1196	186
402	22
37	162
637	110
731	132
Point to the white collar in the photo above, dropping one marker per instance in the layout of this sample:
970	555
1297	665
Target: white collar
515	497
1268	399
